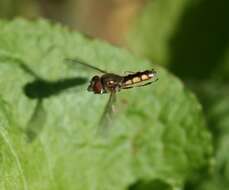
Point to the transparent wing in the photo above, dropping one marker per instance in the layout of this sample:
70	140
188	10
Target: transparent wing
106	118
84	64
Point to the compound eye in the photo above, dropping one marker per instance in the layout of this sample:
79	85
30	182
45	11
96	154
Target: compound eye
96	85
98	88
95	78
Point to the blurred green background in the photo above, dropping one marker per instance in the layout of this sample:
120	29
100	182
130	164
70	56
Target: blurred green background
189	37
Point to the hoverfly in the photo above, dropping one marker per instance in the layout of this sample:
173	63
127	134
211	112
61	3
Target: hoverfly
110	83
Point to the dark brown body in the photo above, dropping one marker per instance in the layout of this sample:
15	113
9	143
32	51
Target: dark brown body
110	82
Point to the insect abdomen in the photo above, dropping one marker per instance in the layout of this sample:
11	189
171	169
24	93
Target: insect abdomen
138	77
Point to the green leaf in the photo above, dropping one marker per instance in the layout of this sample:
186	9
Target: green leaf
11	170
157	135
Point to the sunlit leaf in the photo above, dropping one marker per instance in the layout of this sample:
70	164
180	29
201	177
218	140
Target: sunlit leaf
158	132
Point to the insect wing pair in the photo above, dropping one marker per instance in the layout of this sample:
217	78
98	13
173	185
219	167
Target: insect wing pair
110	83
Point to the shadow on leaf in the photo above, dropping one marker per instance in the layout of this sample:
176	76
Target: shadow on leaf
40	89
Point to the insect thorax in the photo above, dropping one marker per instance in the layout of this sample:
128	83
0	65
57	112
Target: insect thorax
111	82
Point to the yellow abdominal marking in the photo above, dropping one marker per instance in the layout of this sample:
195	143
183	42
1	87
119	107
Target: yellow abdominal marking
136	79
144	77
128	82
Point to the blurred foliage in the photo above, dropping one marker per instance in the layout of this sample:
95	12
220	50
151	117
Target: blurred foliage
191	37
8	8
14	8
214	97
106	19
201	40
151	32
